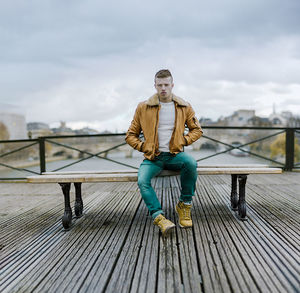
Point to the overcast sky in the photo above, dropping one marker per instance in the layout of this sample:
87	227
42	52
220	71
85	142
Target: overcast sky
90	62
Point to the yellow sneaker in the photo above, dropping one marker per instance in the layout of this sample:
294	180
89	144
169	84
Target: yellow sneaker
165	226
184	214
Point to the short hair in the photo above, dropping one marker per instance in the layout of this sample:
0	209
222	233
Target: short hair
163	73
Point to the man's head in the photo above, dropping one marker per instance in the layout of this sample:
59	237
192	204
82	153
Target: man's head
164	85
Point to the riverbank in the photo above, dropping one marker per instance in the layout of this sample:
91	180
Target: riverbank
33	163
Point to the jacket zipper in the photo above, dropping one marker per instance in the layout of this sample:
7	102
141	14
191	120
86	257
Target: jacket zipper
156	128
175	123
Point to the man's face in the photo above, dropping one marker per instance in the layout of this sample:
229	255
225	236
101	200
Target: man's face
164	87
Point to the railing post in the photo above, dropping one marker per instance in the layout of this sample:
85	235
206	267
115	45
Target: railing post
289	149
42	155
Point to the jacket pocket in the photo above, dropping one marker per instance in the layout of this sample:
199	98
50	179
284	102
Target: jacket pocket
147	147
178	144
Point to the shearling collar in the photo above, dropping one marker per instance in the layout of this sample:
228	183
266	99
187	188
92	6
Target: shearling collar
154	101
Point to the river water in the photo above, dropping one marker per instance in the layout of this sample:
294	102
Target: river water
96	164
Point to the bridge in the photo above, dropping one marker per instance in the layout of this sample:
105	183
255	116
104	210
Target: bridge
82	147
115	247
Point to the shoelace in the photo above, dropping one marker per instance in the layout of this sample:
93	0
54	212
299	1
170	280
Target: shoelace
164	221
187	213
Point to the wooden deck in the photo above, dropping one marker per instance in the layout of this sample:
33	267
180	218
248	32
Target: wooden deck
114	247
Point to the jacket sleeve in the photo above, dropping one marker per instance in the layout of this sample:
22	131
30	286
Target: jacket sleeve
133	133
195	130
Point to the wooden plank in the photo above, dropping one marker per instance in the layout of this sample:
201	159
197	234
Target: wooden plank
233	268
135	171
209	181
99	255
273	211
215	171
133	176
145	275
105	257
205	241
55	179
266	253
233	166
39	258
33	252
34	221
286	205
29	230
257	268
255	245
168	274
188	255
262	254
121	277
126	171
72	248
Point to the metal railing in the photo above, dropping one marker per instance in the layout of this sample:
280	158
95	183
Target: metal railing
289	145
289	164
48	139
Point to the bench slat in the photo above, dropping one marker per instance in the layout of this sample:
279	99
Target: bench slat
134	171
122	177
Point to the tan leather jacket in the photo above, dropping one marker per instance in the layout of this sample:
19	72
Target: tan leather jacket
146	119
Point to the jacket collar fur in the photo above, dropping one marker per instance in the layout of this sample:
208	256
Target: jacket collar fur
154	101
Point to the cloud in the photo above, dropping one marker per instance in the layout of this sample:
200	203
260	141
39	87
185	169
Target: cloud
54	30
93	62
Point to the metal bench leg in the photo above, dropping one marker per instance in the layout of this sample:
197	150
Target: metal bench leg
234	194
242	209
78	200
67	217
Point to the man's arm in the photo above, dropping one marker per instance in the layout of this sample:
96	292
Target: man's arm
195	130
133	133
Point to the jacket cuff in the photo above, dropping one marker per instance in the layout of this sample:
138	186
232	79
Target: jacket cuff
187	140
140	146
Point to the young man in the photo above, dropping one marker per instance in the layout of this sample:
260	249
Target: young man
162	119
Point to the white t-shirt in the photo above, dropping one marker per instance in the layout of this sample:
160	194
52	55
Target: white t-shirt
165	125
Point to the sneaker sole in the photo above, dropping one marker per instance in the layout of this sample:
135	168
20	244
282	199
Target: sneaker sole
169	230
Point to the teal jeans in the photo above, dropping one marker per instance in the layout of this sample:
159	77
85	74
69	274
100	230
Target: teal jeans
148	169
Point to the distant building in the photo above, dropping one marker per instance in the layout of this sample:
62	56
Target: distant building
281	119
259	122
37	129
105	132
205	121
294	122
63	129
240	118
248	118
12	123
86	130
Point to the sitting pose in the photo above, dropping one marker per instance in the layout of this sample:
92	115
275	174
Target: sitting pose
162	119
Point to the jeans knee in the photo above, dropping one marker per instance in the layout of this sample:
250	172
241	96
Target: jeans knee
143	184
191	164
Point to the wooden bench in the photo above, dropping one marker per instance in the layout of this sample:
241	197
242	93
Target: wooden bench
238	174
